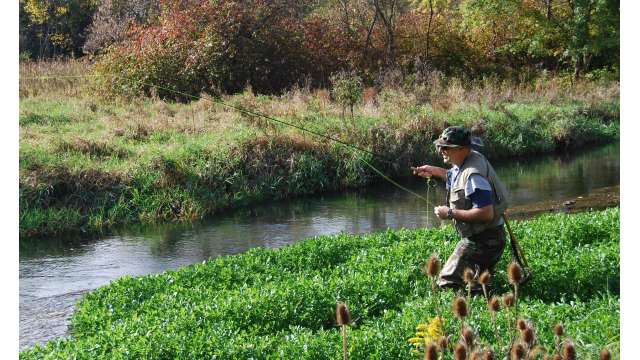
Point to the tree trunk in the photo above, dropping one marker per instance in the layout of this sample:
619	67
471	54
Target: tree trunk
389	26
429	27
368	41
577	67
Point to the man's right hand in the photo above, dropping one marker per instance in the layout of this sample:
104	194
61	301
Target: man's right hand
426	171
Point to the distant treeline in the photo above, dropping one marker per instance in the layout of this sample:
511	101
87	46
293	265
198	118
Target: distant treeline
223	46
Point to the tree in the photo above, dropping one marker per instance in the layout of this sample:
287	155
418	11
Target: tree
52	28
595	30
113	18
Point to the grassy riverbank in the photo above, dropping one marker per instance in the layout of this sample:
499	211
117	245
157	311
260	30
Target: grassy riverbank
280	303
88	164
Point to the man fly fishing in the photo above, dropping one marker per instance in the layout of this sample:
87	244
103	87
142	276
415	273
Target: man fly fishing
476	202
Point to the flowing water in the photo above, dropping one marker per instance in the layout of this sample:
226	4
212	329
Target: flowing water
55	273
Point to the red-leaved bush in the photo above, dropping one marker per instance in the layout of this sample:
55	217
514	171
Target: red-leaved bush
222	46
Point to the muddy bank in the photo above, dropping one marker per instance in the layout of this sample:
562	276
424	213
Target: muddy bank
598	199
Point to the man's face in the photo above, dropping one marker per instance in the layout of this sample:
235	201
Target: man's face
446	153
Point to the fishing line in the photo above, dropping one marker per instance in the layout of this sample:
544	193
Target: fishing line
258	114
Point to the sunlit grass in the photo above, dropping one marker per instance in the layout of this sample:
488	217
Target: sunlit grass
199	157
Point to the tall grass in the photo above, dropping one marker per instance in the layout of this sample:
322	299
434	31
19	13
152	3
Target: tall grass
115	161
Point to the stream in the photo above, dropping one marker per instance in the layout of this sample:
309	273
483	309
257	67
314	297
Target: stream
55	273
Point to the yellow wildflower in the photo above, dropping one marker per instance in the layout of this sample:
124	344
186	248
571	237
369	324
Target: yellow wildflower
435	330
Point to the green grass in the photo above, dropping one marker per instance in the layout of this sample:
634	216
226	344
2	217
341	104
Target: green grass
112	163
280	303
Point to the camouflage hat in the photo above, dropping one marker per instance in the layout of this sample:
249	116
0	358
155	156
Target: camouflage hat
454	136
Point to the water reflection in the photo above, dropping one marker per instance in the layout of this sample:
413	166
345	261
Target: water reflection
55	273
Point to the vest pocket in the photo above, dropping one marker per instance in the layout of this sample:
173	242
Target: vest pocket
458	200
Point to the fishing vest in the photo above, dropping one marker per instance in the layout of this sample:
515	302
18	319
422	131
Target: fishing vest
476	163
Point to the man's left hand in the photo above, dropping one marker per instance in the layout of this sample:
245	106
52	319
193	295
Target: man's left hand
441	212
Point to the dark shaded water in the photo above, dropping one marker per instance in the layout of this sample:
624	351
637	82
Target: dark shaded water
55	273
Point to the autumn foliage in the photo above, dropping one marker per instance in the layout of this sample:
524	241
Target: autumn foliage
224	46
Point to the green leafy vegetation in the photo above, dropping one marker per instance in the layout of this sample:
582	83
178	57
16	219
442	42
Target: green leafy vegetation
278	303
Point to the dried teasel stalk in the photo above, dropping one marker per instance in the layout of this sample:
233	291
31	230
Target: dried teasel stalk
485	277
460	353
489	355
460	307
558	330
467	335
470	278
460	310
569	351
517	351
431	353
494	304
509	301
443	343
528	337
343	318
521	324
433	266
514	273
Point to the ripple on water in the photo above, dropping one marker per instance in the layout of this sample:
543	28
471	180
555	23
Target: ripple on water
45	318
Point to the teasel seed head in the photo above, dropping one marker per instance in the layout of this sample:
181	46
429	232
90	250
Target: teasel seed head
433	266
432	352
509	300
467	334
528	336
521	324
494	304
515	273
468	276
605	354
517	351
475	356
485	277
443	343
489	355
342	314
460	353
569	351
460	307
558	330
